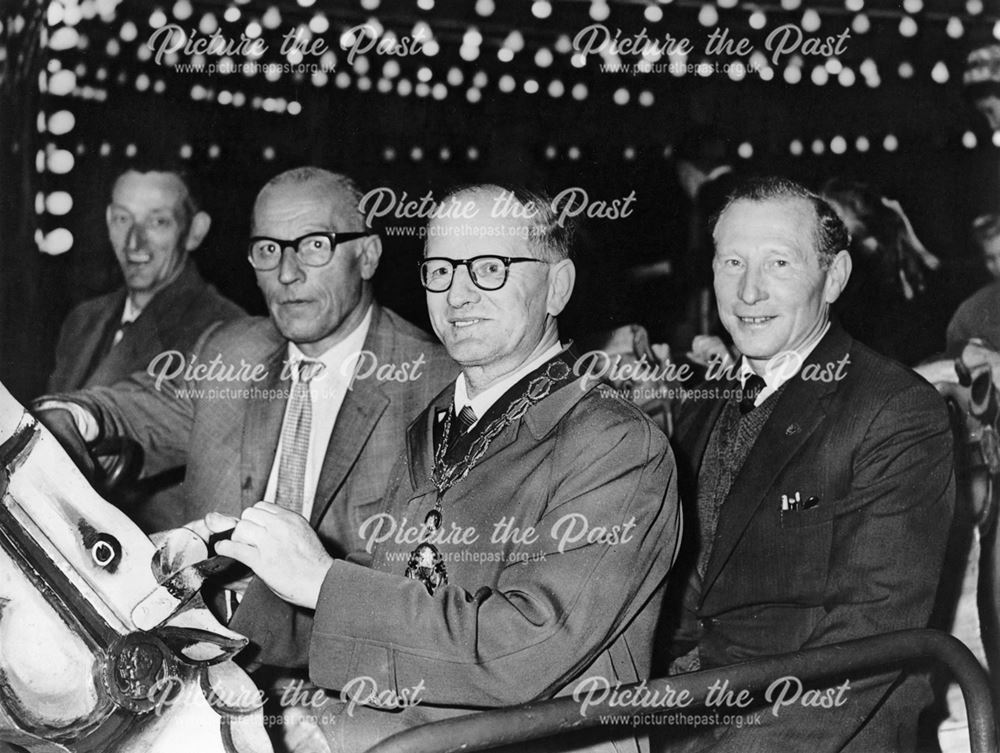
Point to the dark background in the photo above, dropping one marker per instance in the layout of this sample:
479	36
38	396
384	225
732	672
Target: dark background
127	104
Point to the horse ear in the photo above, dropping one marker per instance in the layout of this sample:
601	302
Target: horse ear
197	636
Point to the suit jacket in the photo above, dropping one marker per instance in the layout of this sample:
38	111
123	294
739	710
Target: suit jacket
523	616
865	444
173	320
224	423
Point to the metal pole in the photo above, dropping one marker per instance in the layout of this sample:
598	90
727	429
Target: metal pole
516	724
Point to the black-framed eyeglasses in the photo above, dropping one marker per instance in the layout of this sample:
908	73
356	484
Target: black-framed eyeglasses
486	272
311	249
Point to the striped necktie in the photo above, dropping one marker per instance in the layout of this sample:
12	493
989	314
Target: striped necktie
295	439
466	418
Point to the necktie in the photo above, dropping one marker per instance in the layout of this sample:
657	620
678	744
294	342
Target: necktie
120	333
295	439
460	426
751	388
466	418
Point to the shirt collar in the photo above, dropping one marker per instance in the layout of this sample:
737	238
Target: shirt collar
335	355
131	312
485	399
781	368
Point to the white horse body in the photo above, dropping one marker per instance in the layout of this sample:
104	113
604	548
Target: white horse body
75	672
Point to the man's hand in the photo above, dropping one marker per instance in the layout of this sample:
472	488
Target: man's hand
61	422
280	547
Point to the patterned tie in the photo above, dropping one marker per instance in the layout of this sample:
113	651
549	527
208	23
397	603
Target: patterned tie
466	418
751	388
295	439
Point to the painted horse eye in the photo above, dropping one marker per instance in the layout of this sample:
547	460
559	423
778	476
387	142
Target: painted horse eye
106	551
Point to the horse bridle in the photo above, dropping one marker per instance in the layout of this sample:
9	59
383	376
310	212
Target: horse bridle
131	668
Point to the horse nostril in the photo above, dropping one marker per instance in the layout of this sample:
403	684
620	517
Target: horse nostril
106	551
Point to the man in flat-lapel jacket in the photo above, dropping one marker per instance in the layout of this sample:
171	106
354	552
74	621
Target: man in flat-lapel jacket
528	527
821	480
224	412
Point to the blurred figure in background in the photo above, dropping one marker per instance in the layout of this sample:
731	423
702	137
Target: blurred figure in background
883	304
705	172
981	82
979	315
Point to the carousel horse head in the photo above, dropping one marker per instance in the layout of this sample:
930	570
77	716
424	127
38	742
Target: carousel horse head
974	406
77	674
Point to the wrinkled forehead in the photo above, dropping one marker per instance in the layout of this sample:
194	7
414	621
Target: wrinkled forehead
151	191
481	221
750	222
297	208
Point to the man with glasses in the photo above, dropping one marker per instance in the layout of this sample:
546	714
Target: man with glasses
526	532
286	409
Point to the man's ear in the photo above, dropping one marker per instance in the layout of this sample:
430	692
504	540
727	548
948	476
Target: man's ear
837	276
369	255
201	223
562	278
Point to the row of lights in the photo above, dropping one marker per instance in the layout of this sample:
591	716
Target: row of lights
64	83
472	40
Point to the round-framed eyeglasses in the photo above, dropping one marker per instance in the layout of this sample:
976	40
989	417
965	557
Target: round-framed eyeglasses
311	249
486	272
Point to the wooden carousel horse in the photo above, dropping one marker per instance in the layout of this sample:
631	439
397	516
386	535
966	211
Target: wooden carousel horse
974	405
93	657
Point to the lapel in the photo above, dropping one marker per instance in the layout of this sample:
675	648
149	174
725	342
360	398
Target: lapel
801	408
540	419
140	343
262	429
420	442
361	410
145	338
85	371
695	424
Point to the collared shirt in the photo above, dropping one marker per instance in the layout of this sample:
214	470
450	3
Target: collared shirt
129	315
781	367
485	399
327	391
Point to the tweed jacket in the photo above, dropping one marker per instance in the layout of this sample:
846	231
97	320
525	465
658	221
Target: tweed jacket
225	424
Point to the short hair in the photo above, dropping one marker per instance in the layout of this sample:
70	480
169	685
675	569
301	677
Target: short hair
338	186
985	228
192	201
549	235
829	231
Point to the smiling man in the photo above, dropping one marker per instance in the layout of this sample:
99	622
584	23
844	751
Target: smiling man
528	527
154	224
821	480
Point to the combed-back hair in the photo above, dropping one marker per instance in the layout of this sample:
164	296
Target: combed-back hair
549	235
829	230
